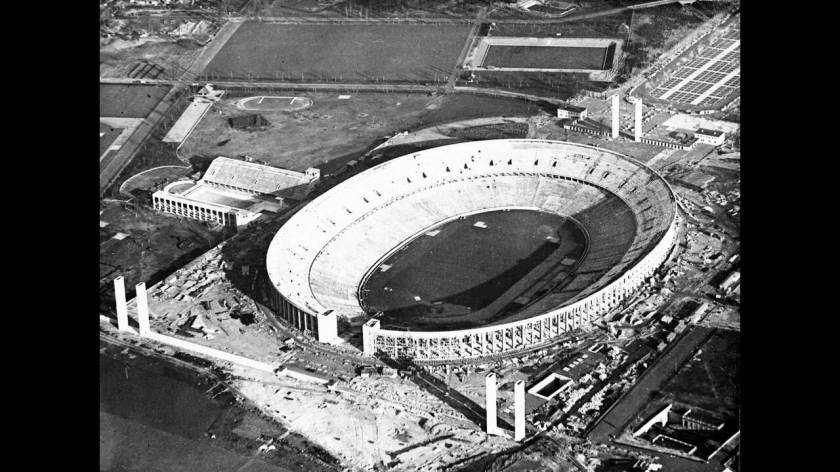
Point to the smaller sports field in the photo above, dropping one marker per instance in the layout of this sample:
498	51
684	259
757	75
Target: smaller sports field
340	52
546	57
263	103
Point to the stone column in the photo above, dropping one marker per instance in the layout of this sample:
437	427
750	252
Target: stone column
519	410
615	114
143	310
490	407
637	132
122	307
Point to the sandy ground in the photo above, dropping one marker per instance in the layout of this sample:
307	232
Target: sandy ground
362	421
362	430
118	57
331	128
334	131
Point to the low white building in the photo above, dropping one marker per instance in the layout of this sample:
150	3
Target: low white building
710	136
571	111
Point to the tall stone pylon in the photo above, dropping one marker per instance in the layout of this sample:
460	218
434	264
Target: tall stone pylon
490	407
519	410
615	115
143	310
637	129
122	307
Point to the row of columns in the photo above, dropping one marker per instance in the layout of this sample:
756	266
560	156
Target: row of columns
189	210
507	338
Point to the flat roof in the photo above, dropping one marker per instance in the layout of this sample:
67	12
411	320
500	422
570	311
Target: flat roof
571	107
709	132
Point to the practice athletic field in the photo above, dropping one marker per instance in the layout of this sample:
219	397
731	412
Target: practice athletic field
439	279
545	57
347	52
274	103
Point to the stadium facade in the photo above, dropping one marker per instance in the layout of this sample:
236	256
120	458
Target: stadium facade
318	260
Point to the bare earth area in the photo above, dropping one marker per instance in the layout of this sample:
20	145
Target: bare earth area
119	57
334	130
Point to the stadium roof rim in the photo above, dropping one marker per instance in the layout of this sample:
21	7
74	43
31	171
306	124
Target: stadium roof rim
311	303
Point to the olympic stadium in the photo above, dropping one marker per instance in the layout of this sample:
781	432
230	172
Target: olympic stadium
474	249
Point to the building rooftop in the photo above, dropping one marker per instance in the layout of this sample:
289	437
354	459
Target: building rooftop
253	177
709	132
574	108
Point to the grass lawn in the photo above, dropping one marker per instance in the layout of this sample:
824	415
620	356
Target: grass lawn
348	52
129	101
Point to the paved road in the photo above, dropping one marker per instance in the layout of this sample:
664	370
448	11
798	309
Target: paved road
373	87
447	20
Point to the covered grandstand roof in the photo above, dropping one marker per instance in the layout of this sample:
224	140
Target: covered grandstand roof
255	178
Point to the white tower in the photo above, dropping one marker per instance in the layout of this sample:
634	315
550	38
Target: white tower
615	113
519	410
490	393
637	132
122	307
327	327
143	310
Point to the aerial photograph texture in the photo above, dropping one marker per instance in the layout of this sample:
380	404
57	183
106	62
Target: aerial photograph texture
419	235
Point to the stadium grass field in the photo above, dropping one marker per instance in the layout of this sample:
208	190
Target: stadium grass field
545	57
458	269
346	52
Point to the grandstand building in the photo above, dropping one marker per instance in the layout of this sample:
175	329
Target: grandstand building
234	193
322	256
